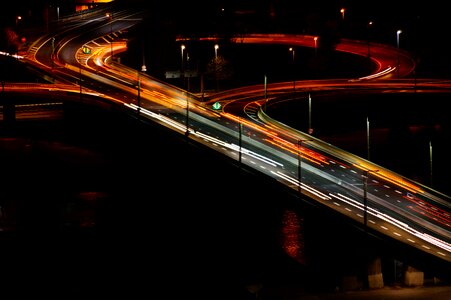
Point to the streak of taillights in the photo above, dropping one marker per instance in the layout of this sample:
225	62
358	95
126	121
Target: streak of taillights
426	237
304	186
295	151
249	124
428	210
182	127
391	178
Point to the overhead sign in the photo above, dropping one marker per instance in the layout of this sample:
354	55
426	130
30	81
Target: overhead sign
86	50
216	105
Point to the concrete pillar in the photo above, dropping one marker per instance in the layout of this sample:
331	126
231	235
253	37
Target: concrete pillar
375	278
413	277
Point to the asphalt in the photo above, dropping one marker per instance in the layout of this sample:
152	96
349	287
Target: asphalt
440	292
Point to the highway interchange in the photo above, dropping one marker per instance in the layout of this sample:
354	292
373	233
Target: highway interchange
378	198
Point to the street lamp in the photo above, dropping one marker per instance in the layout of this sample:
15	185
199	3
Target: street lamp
342	11
182	69
182	47
294	79
370	24
110	16
315	39
143	69
310	129
18	18
365	198
368	138
397	46
300	141
216	50
430	162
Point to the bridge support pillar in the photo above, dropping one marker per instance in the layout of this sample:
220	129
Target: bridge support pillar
413	277
375	278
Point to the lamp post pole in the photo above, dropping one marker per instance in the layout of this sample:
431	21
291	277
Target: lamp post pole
182	68
187	115
365	197
368	138
216	66
110	16
430	162
266	95
370	24
240	140
139	94
397	47
300	141
310	129
143	69
294	78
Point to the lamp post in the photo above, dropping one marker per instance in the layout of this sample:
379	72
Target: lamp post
291	49
187	115
368	138
365	198
300	141
310	129
266	92
315	40
430	161
370	24
240	140
110	16
397	47
182	48
18	18
53	51
182	68
342	11
216	66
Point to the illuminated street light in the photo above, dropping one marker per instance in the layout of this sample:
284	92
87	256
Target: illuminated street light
182	47
397	46
216	50
294	79
342	11
143	69
18	18
370	25
182	69
110	16
315	39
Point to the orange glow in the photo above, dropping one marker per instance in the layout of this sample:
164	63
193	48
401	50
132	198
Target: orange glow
292	236
249	124
93	1
392	178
